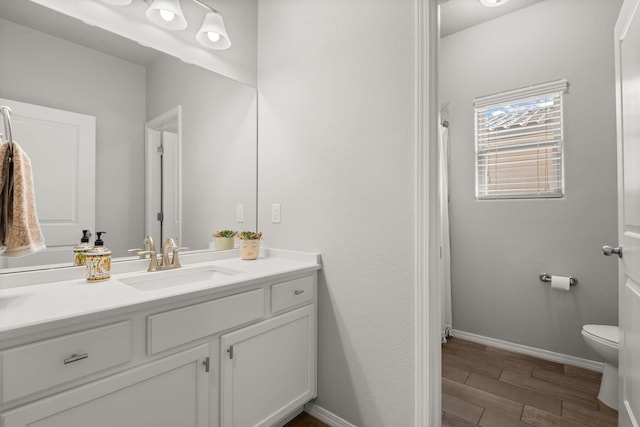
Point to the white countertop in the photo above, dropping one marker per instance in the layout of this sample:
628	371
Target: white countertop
34	301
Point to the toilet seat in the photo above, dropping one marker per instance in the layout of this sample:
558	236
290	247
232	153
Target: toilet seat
604	334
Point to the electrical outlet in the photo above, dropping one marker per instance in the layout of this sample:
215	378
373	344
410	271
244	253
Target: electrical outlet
239	213
275	213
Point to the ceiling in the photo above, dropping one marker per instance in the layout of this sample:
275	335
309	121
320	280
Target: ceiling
455	15
58	25
458	15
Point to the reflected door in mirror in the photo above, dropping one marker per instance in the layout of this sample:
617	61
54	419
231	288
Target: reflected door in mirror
61	146
163	177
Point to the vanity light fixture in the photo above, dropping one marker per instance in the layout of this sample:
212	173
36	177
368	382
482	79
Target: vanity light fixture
493	3
168	14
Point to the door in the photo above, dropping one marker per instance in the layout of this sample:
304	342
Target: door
169	392
169	189
627	35
268	369
61	146
163	195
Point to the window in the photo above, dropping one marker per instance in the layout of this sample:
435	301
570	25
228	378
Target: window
519	138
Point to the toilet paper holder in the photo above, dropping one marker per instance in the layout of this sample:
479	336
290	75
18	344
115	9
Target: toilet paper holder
547	278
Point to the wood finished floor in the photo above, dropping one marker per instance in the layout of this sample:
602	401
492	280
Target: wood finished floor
490	387
305	420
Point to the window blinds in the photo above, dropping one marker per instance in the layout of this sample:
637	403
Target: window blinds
519	139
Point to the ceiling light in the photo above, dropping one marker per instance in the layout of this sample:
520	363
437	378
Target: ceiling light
167	14
213	34
493	3
118	2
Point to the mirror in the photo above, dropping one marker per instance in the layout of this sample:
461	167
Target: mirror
54	61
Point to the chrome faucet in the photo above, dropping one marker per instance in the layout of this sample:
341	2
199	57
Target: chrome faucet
164	264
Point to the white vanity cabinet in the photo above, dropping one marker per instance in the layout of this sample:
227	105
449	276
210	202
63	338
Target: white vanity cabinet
268	369
173	391
244	356
30	368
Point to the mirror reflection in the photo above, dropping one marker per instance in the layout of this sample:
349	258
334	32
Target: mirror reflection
171	141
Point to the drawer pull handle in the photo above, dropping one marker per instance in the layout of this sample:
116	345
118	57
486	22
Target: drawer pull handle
298	291
75	357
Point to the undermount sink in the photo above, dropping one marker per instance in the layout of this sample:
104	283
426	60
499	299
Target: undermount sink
151	281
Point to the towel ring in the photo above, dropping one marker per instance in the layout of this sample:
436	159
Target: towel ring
6	118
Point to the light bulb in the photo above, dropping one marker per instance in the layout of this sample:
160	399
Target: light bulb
493	3
167	15
214	37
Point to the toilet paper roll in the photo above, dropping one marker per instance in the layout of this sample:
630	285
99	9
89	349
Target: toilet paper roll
561	283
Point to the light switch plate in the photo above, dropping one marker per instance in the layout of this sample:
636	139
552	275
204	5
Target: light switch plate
275	213
239	213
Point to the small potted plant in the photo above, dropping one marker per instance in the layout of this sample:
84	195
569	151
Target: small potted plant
224	239
249	244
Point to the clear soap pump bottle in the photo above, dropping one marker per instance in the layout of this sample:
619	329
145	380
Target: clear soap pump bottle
80	251
98	260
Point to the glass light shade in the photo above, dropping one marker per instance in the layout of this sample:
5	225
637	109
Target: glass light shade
493	3
118	2
219	39
167	7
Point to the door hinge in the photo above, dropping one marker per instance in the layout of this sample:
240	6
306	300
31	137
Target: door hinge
205	362
160	216
160	150
230	351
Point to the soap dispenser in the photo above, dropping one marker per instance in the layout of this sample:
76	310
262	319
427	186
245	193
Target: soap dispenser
98	260
80	251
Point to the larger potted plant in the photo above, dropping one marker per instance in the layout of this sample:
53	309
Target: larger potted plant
249	244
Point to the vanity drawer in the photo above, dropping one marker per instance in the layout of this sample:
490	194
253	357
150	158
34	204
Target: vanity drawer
291	294
34	367
177	327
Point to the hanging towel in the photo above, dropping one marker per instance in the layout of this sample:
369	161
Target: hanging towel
20	232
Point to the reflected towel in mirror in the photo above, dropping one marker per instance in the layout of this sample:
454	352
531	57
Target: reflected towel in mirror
20	232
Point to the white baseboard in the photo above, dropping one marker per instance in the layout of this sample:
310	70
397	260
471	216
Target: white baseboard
326	417
531	351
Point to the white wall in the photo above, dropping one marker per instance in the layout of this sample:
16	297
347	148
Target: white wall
500	247
336	149
44	70
219	151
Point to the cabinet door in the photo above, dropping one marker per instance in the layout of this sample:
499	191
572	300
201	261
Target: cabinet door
268	369
169	392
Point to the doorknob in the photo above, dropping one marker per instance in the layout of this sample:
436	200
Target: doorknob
608	251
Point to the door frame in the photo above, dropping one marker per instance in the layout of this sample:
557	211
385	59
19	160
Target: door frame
152	127
428	312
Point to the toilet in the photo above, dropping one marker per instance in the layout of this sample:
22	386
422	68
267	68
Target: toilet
604	339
